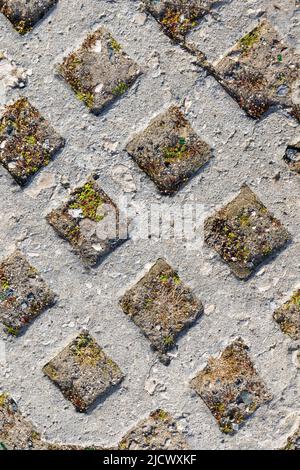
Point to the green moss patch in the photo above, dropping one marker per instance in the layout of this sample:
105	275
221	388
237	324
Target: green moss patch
260	72
89	221
27	141
178	17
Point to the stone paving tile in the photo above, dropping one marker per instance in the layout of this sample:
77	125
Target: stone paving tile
288	316
245	233
27	141
23	293
162	307
293	442
83	372
178	17
99	72
261	71
158	432
25	14
89	221
169	150
16	433
292	157
230	387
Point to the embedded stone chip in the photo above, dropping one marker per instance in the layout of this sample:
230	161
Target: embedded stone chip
169	151
27	141
230	387
288	316
158	432
245	234
23	293
292	157
25	14
261	72
162	307
99	71
83	372
89	221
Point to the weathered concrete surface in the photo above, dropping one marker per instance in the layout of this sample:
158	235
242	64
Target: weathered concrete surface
244	150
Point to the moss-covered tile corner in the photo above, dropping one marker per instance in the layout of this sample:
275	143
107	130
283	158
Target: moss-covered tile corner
23	294
24	15
89	221
157	432
28	142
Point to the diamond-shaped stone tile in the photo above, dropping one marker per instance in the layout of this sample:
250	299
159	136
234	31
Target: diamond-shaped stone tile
262	71
162	307
23	293
178	17
293	442
288	316
25	14
99	72
27	141
230	387
17	433
158	432
245	233
292	157
89	221
169	150
83	372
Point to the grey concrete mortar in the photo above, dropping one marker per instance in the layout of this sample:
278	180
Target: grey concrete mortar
244	151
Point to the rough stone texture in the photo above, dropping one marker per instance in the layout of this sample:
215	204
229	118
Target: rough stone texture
158	432
89	221
99	72
288	316
245	234
261	71
231	387
162	307
83	372
27	141
169	150
11	76
23	293
292	157
25	14
16	433
244	149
